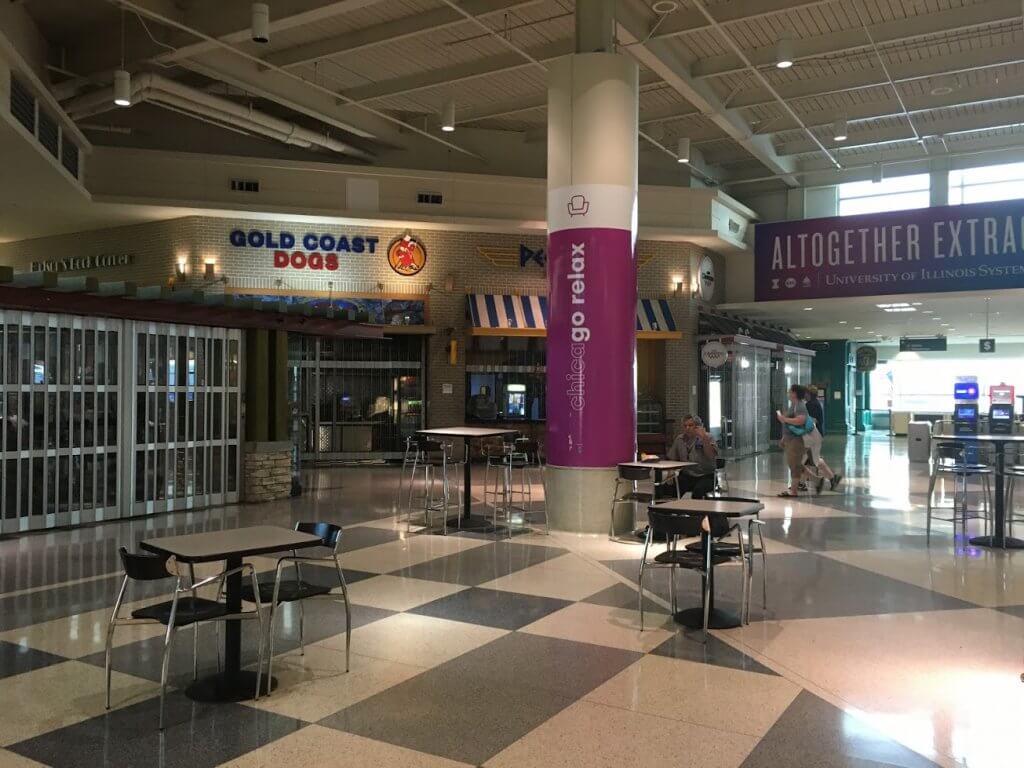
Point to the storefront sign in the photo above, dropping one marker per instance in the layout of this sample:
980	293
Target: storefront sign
406	256
714	354
867	359
922	344
706	278
76	263
947	248
323	251
527	255
987	346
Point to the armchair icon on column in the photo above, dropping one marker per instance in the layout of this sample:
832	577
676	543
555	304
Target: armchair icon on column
578	205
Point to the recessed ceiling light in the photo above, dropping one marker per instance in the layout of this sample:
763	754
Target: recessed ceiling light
842	322
915	304
928	311
784	53
808	309
856	328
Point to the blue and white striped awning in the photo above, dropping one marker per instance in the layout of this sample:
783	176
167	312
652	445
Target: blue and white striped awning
654	315
498	314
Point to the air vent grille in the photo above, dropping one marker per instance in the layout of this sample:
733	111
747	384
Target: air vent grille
49	134
23	105
245	185
429	198
69	156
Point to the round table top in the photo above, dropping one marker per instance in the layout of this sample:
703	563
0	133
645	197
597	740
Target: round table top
978	438
710	507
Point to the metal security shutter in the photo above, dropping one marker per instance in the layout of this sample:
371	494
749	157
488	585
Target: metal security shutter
23	105
69	156
49	135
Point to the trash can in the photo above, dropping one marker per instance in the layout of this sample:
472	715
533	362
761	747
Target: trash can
919	448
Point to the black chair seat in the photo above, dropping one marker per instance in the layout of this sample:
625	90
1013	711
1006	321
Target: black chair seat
290	591
965	469
640	496
189	611
727	549
685	559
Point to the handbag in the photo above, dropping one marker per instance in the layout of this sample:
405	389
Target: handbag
799	430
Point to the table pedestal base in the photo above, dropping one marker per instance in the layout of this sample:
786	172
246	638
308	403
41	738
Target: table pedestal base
693	618
990	541
239	686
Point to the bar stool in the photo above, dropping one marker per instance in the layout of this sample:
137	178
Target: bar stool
950	461
632	477
433	458
533	473
1010	475
409	457
502	486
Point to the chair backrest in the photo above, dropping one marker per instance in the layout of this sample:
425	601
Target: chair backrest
950	451
634	474
329	533
425	444
144	567
719	463
673	523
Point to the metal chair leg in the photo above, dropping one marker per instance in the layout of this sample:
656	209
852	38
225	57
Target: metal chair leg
640	577
263	637
110	634
348	613
270	650
195	625
168	639
931	491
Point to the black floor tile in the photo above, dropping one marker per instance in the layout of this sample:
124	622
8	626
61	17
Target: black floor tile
622	596
475	566
492	608
690	647
15	659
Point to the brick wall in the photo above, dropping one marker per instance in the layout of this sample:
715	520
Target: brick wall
452	258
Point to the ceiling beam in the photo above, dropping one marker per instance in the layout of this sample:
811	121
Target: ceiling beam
872	75
686	19
633	26
391	31
884	33
458	73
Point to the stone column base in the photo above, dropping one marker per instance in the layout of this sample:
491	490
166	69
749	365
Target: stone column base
266	471
579	500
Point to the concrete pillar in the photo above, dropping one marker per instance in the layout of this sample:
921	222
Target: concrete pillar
796	204
592	199
280	410
257	385
938	171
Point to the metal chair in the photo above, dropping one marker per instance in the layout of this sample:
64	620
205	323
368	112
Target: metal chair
408	458
632	477
291	591
504	487
431	456
177	612
729	549
950	460
672	526
721	478
1010	475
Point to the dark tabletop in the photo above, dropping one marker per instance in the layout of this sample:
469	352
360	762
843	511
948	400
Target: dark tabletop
218	545
710	507
469	432
659	464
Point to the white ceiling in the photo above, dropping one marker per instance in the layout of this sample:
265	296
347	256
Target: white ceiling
960	317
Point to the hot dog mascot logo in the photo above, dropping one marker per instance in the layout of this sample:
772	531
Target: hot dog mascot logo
406	256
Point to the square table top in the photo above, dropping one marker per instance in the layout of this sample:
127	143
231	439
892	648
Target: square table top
710	507
465	431
218	545
665	464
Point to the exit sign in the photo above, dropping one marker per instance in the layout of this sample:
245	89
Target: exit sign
987	346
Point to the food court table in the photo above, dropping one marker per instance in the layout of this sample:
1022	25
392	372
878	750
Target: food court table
1000	539
717	617
467	434
660	467
233	684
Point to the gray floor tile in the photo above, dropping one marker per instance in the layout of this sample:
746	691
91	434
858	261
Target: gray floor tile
621	596
15	659
832	533
689	646
360	536
813	733
323	619
804	586
196	736
475	566
492	608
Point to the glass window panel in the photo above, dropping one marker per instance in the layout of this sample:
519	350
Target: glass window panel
51	485
38	421
52	344
11	422
89	420
201	362
898	202
64	421
181	435
181	362
200	471
11	489
191	361
3	366
150	470
51	420
100	475
217	416
200	416
916	182
38	499
140	418
161	418
77	357
26	486
112	418
88	484
151	418
140	476
161	360
65	355
151	359
101	409
112	357
24	420
90	357
172	362
39	355
233	362
171	474
12	354
161	478
63	483
76	482
76	419
111	480
190	416
180	472
232	469
25	356
171	407
215	469
218	362
101	357
233	416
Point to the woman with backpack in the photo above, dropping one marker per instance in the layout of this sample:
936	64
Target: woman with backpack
795	423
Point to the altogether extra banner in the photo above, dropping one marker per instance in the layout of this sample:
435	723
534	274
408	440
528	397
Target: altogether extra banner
949	248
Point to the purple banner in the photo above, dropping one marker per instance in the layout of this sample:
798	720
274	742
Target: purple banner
949	248
591	389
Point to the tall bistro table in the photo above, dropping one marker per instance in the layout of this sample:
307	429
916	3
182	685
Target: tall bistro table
1000	540
660	467
467	434
233	684
718	618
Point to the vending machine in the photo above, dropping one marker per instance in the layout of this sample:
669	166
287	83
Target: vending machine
965	406
1000	411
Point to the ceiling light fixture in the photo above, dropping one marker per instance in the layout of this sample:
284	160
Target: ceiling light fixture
665	7
448	117
842	322
784	53
122	88
260	23
683	150
808	309
839	129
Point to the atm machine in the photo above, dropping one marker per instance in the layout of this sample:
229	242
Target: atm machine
1000	412
965	413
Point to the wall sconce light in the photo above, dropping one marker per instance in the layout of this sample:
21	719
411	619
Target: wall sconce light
380	286
210	270
677	284
182	267
449	283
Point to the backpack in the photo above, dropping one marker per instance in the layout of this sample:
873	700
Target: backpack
805	429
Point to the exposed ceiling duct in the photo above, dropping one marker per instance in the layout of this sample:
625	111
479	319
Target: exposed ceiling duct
160	90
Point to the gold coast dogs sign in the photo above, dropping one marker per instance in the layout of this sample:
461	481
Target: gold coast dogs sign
946	248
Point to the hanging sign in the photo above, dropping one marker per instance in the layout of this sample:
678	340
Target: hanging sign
714	354
987	346
406	256
706	278
867	359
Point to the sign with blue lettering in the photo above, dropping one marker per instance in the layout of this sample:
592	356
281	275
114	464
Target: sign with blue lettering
947	248
310	241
